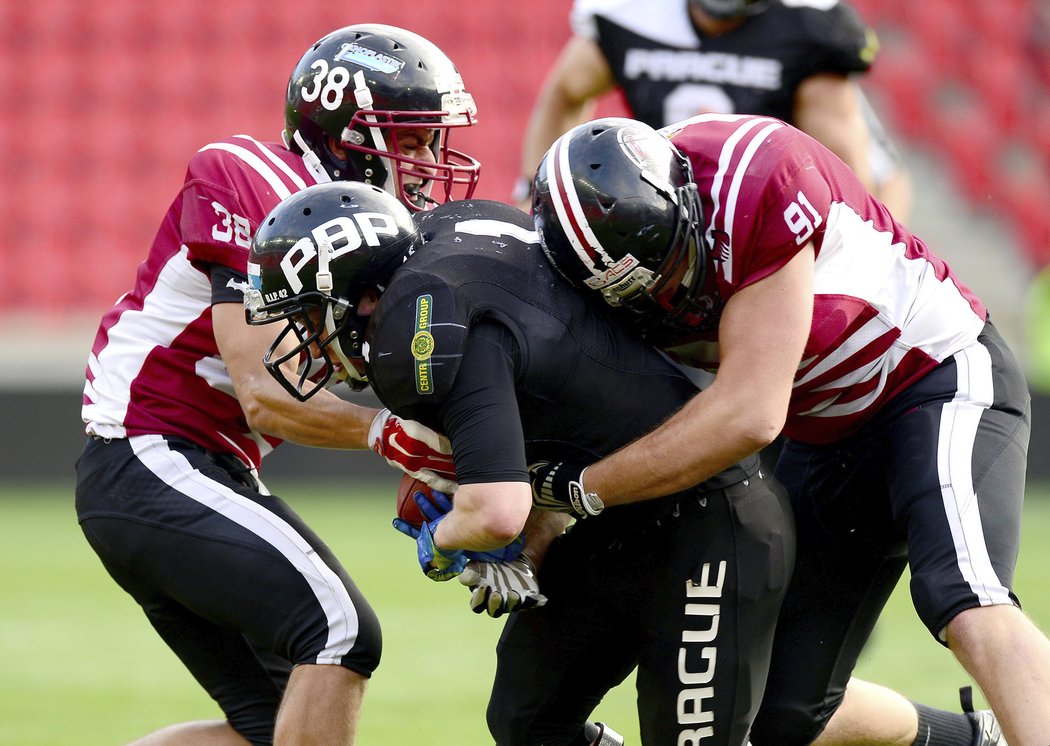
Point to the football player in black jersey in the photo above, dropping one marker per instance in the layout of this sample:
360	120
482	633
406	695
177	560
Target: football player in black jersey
476	336
673	59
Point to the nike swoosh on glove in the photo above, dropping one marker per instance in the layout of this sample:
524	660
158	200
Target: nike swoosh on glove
415	449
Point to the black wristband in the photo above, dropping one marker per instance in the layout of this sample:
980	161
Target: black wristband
558	486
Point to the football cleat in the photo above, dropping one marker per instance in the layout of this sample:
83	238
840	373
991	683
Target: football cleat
985	725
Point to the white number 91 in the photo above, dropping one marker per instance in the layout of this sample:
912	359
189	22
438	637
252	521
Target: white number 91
802	222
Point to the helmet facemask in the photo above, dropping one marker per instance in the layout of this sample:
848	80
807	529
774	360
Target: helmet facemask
372	141
316	325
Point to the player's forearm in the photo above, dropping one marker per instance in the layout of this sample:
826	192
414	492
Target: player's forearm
543	527
324	421
703	438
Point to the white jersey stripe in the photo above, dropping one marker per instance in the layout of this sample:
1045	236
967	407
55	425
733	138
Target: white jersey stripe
741	170
570	212
174	470
256	163
958	432
725	162
272	157
164	315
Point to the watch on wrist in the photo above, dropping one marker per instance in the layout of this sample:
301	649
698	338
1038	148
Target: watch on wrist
584	502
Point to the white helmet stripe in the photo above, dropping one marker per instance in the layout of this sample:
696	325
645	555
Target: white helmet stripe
570	212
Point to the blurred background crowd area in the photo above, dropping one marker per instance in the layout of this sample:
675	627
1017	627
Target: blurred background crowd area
105	101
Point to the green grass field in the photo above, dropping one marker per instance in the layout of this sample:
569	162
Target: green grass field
79	664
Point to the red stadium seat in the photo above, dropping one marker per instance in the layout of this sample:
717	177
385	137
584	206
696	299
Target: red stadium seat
910	85
940	28
972	143
1003	83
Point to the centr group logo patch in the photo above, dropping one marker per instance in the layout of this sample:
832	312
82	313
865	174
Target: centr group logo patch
423	345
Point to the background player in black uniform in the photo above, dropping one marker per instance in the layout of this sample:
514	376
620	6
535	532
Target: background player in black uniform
476	336
673	59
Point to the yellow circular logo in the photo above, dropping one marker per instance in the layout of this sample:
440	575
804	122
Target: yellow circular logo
422	345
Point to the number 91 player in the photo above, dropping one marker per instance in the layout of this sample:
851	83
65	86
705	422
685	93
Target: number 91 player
179	410
905	413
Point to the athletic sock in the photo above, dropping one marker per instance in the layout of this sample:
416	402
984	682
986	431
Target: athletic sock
942	728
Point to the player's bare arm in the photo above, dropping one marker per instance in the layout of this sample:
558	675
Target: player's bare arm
568	97
826	108
762	334
485	516
325	421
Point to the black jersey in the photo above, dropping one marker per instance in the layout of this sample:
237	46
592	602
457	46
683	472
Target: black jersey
579	385
669	70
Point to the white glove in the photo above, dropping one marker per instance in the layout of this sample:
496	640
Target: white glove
499	587
414	449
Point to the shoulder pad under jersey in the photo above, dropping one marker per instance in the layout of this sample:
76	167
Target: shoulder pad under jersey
415	341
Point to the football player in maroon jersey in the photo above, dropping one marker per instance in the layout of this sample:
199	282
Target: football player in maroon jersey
179	410
673	59
906	416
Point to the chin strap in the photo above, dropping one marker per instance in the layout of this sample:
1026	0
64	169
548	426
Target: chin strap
313	163
363	97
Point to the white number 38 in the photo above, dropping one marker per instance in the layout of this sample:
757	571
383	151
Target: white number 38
327	84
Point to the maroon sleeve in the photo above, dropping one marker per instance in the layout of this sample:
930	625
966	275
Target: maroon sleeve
224	199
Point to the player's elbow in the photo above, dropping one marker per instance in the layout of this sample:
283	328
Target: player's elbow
498	511
265	410
501	524
759	428
258	413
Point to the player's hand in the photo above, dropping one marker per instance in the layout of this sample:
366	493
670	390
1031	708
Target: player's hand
502	587
439	505
558	486
414	449
438	564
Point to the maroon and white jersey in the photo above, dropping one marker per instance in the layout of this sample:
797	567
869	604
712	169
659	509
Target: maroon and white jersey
886	310
154	366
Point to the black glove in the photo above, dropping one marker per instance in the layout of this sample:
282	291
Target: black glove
558	486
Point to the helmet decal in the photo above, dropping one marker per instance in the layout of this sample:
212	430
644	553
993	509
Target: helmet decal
369	58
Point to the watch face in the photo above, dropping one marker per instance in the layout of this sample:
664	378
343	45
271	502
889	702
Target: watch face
584	503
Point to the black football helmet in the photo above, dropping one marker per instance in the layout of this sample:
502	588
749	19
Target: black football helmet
726	9
617	212
311	261
363	84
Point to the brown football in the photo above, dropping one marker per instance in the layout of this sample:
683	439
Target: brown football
407	509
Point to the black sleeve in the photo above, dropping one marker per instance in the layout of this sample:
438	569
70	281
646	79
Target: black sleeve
480	414
227	285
